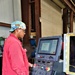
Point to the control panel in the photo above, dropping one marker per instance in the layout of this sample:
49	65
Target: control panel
48	51
42	67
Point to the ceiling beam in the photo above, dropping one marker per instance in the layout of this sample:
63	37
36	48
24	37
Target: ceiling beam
70	5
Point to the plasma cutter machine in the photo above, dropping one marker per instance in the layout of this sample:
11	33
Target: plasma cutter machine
47	55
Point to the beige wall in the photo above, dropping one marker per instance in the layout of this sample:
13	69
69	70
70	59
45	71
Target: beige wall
74	26
51	19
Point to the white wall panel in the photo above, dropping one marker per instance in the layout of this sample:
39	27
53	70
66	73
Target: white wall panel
17	9
6	11
10	10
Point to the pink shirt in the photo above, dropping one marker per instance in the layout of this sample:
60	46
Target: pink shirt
15	60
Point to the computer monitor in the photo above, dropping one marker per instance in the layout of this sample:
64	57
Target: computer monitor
48	46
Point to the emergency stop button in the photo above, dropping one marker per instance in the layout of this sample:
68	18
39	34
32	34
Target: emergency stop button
47	68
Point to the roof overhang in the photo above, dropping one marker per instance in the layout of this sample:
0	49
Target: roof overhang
63	3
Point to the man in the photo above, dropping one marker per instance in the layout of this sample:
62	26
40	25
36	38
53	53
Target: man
15	61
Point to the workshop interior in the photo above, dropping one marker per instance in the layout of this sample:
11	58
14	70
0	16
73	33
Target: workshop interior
50	33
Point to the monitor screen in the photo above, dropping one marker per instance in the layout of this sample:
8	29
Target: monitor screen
48	46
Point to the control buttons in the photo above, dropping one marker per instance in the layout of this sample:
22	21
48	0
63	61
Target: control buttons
41	56
34	65
47	68
50	57
38	56
42	68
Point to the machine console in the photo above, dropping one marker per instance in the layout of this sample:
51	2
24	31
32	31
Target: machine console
48	51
